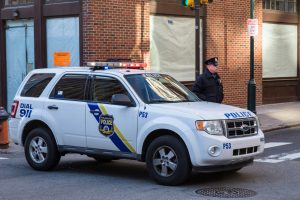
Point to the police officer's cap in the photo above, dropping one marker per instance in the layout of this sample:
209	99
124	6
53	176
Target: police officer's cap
212	61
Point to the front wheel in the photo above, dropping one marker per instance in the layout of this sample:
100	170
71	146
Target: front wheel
168	160
41	150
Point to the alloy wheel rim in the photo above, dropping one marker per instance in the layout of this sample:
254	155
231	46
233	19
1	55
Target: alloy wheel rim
38	149
165	161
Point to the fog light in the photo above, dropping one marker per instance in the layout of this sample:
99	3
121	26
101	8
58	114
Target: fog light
214	151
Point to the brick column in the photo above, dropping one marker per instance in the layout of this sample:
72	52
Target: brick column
115	29
226	37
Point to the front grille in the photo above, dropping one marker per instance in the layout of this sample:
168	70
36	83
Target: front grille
241	127
245	151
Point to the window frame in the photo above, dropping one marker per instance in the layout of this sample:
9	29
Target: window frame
9	3
91	90
86	88
276	8
60	1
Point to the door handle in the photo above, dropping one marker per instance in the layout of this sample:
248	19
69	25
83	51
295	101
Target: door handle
53	107
95	111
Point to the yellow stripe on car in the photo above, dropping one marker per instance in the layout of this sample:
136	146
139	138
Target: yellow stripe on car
118	132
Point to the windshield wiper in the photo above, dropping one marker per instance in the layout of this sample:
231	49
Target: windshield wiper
165	101
160	101
181	101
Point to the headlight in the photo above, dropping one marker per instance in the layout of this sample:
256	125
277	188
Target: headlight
210	127
258	123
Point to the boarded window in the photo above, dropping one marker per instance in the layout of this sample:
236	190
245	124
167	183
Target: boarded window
63	38
279	50
172	46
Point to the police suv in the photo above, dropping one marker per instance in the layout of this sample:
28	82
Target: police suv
118	110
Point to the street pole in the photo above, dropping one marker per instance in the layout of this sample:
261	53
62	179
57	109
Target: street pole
251	83
197	46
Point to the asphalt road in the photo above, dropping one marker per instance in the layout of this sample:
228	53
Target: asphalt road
274	175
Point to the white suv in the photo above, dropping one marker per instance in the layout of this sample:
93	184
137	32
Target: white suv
135	114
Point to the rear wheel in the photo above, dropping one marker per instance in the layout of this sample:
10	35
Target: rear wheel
41	150
168	161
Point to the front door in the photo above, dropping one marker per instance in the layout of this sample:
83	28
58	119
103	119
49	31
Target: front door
110	127
19	54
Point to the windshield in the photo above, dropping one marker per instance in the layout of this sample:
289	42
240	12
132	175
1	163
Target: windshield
160	88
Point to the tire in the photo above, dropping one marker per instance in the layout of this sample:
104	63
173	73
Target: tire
168	161
41	150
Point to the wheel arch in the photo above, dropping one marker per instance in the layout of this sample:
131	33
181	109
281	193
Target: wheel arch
158	133
32	125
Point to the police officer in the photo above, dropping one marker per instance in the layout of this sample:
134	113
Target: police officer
208	85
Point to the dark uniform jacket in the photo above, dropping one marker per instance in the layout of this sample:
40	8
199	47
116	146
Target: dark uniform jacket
208	87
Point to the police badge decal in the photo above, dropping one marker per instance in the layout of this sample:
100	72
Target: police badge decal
106	125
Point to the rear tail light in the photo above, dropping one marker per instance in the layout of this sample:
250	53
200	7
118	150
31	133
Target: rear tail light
14	109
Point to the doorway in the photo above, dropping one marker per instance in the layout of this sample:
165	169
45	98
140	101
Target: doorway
19	54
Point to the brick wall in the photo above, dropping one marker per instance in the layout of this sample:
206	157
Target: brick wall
115	29
122	31
226	37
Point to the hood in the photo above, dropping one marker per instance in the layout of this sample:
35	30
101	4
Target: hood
206	110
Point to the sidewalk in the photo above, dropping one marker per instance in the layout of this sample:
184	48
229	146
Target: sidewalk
277	116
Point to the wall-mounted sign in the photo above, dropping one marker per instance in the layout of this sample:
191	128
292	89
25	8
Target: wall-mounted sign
62	59
252	27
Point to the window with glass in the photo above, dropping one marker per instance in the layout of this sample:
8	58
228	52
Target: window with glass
36	85
281	5
103	88
160	88
59	1
70	87
18	2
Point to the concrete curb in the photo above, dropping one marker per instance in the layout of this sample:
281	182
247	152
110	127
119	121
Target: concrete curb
280	127
4	146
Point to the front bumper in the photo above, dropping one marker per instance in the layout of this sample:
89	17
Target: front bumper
222	168
227	151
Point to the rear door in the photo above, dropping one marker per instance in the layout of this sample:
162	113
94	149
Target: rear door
65	109
110	127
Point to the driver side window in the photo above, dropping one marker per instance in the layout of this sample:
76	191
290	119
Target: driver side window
103	88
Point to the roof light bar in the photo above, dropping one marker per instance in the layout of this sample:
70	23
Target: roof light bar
114	65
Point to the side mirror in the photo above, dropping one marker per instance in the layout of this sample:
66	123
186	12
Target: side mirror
121	99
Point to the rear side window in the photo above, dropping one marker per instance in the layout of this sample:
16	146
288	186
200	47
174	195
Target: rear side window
36	85
70	87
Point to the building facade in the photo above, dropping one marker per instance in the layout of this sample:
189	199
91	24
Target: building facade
50	33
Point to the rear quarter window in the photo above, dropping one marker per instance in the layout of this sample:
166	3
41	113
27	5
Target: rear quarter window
36	84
